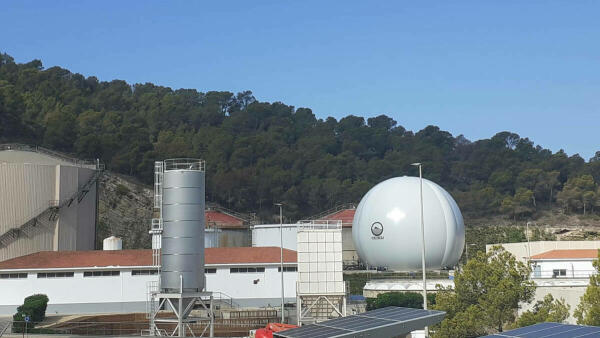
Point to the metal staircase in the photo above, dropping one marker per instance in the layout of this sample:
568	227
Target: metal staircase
4	327
46	216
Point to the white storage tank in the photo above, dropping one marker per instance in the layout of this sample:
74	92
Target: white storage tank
112	243
387	226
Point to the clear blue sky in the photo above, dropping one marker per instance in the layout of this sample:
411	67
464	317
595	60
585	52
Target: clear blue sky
472	67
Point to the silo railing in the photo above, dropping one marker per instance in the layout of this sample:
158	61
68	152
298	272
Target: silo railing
184	164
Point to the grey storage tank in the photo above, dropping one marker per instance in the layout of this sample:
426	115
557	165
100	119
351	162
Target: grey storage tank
183	204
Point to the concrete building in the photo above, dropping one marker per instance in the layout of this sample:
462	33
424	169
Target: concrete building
559	268
345	214
375	287
268	234
563	274
523	250
47	201
118	281
226	228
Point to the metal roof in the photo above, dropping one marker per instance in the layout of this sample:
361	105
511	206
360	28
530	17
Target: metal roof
554	330
390	321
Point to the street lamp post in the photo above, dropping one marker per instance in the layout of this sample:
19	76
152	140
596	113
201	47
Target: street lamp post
423	243
467	250
280	205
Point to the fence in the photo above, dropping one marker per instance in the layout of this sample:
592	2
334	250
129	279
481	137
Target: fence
561	273
234	327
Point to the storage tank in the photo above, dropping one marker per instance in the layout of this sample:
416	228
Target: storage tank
112	243
183	226
387	226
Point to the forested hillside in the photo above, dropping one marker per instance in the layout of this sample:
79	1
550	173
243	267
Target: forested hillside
260	152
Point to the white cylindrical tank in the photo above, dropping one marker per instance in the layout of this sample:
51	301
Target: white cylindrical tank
387	226
112	243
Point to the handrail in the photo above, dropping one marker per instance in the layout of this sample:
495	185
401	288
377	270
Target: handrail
232	303
184	164
2	330
244	217
555	274
333	210
52	153
320	224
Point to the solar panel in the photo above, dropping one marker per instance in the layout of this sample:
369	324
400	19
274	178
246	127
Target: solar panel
390	321
550	330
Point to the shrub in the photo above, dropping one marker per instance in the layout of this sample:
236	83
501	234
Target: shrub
122	190
33	306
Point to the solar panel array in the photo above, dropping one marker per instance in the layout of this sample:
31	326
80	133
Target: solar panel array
397	320
554	330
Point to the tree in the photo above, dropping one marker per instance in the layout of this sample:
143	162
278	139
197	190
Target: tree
519	205
546	310
486	295
588	310
578	193
33	307
257	152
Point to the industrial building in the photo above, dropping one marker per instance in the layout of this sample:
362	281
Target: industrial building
227	228
268	234
559	268
49	201
117	281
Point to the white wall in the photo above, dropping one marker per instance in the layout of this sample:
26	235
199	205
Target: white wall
90	293
268	235
26	190
574	268
569	291
240	286
75	290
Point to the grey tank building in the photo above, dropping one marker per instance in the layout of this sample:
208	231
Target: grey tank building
48	201
183	201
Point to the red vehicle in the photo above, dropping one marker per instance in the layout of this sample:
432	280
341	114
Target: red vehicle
267	332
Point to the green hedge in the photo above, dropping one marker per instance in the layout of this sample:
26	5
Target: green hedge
403	299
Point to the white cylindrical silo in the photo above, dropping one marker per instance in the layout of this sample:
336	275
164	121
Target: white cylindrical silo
182	240
112	243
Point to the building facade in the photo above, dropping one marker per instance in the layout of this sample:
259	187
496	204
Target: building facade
559	268
118	281
47	202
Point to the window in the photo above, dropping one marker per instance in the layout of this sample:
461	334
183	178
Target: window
247	270
559	273
101	273
288	269
210	270
143	272
55	274
13	275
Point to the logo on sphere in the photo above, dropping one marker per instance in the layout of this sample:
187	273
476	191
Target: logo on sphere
377	229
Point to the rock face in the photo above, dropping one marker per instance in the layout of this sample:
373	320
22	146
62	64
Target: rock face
124	210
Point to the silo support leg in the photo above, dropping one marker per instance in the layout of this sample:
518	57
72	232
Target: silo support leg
212	318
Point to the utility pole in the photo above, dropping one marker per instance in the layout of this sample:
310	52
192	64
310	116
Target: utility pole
280	205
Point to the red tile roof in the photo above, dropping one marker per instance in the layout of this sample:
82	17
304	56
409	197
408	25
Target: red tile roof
346	216
222	220
100	258
568	254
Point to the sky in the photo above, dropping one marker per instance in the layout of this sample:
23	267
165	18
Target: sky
470	67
